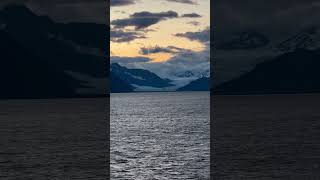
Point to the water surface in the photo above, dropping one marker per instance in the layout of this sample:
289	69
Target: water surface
160	135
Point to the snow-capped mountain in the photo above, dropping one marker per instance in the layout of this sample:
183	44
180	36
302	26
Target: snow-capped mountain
308	38
147	80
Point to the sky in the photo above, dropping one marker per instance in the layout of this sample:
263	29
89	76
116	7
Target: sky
167	37
162	36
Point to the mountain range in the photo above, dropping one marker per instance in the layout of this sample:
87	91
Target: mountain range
128	80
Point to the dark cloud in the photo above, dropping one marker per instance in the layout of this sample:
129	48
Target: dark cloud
201	36
121	2
158	49
146	14
123	36
184	1
141	20
127	60
192	15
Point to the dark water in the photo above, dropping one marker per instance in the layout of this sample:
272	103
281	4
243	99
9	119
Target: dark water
266	137
54	139
160	136
255	137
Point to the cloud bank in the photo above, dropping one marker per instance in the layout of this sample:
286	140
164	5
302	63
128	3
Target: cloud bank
158	49
142	20
120	36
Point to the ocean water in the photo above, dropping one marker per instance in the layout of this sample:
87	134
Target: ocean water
54	139
266	137
161	135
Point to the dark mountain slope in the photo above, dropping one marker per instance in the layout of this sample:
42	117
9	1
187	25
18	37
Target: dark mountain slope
201	84
296	72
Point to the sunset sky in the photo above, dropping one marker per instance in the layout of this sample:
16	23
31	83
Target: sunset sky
157	30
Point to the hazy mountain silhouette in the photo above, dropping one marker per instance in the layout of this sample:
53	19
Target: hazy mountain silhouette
139	77
294	72
51	47
201	84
